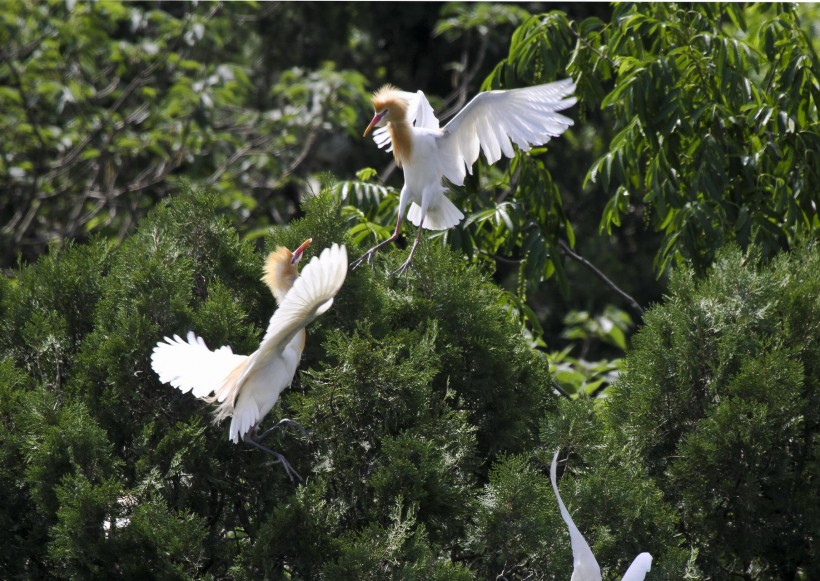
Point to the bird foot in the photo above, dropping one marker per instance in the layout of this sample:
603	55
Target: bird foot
402	270
366	257
279	458
282	424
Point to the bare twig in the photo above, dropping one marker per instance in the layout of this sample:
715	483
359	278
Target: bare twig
499	258
557	387
310	140
236	156
578	258
585	42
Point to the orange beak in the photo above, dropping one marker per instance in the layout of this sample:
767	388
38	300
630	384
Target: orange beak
297	254
376	118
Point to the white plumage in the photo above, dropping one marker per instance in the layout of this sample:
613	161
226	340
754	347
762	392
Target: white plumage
492	122
585	567
246	387
639	568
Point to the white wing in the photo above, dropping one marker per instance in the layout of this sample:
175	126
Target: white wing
585	567
494	120
192	366
419	114
382	138
639	568
423	115
311	295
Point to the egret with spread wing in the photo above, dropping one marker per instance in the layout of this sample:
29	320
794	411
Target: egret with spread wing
246	387
585	567
492	122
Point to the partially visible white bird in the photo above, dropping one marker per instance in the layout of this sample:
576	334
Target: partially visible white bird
246	387
492	122
585	567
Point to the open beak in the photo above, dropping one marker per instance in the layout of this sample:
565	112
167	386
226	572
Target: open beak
375	121
297	254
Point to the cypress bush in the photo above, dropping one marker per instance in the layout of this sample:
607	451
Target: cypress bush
429	421
408	389
721	403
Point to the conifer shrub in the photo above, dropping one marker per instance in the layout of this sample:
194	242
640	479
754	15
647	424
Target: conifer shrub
408	389
721	403
706	452
429	422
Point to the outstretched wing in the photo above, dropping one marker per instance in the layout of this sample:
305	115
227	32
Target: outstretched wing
422	112
585	567
419	114
494	120
639	568
191	366
311	295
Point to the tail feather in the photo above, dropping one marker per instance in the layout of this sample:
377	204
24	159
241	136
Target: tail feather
442	214
243	418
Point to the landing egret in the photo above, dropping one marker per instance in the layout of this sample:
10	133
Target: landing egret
491	122
246	387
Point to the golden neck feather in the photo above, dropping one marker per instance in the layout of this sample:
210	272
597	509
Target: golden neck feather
280	274
400	131
401	137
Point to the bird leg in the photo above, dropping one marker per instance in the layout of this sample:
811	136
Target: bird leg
368	256
403	268
251	439
283	423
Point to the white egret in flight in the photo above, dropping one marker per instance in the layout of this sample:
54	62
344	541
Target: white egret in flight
246	387
492	122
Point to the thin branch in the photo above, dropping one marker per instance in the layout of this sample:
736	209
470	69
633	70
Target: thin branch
578	258
236	156
586	43
499	258
310	140
557	387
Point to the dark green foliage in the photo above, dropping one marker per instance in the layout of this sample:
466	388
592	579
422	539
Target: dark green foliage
49	316
516	525
721	400
430	423
715	108
409	389
695	126
90	427
25	531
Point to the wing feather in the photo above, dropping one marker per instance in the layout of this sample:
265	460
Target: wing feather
639	568
422	112
584	564
311	295
494	120
382	138
191	366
